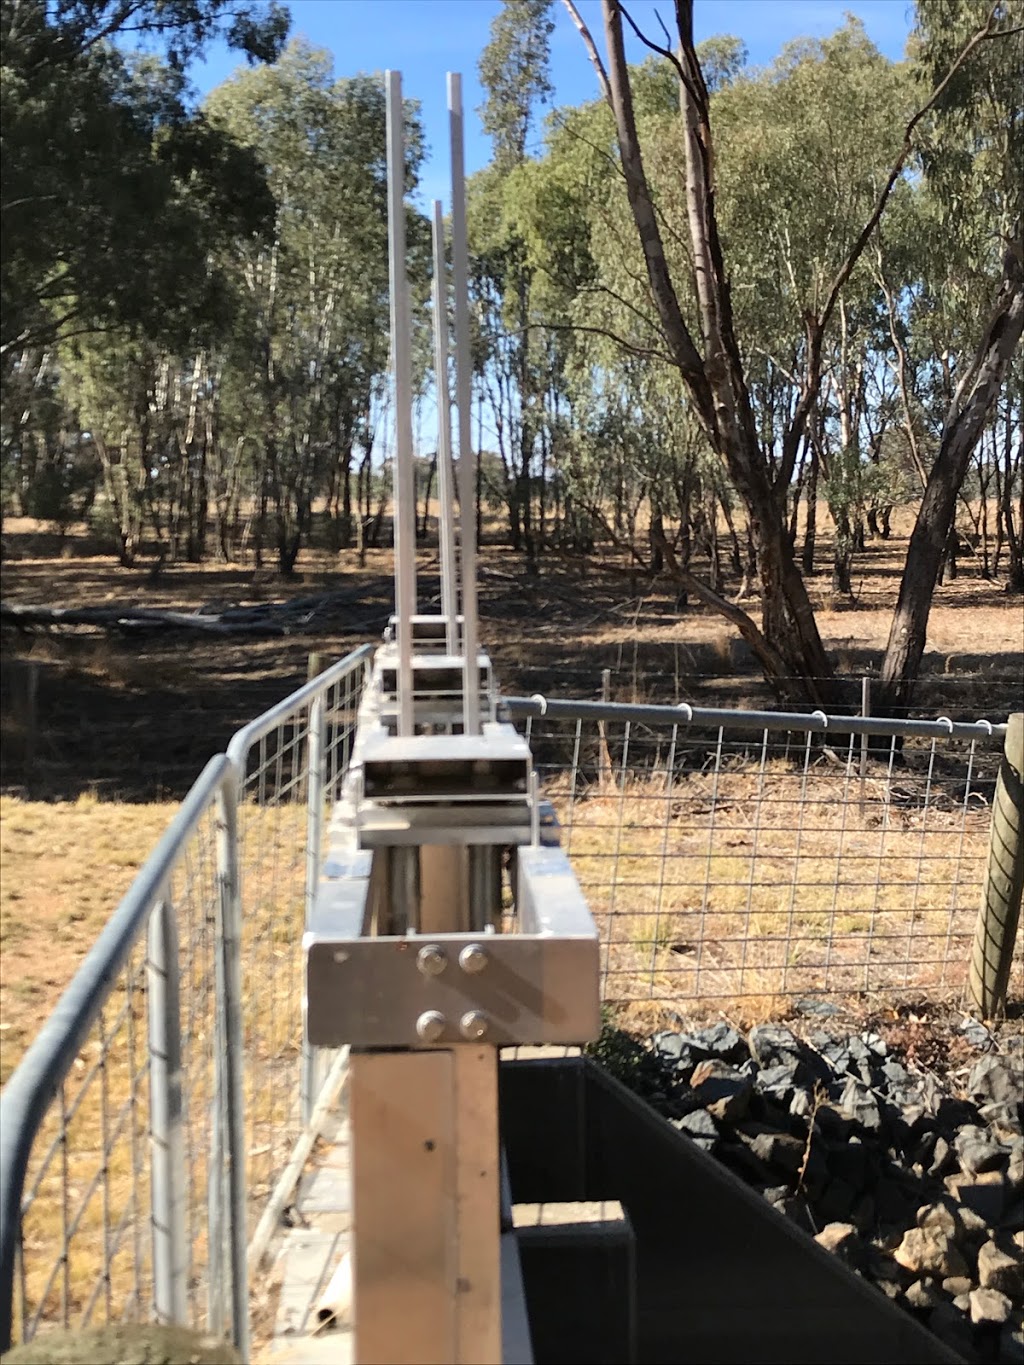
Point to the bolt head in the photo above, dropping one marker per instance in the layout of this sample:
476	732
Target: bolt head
473	1025
430	1025
431	959
473	958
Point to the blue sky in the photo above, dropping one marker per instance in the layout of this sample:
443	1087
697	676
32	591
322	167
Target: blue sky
425	38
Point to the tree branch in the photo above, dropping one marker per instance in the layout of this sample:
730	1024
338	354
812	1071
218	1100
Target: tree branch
591	46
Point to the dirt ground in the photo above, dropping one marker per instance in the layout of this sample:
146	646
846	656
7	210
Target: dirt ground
132	717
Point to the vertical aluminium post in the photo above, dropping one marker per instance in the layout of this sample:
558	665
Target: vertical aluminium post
231	1064
404	511
463	391
166	1120
445	481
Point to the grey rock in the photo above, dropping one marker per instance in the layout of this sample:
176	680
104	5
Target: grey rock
801	1104
860	1104
986	1194
773	1045
922	1296
943	1158
997	1080
721	1089
941	1217
823	1008
974	1226
928	1251
776	1080
1015	1167
977	1152
670	1045
721	1041
1003	1120
779	1150
844	1241
777	1195
977	1034
989	1306
998	1269
963	1302
876	1043
699	1126
956	1285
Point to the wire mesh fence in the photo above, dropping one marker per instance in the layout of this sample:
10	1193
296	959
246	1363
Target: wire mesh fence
745	861
134	1169
113	1172
290	762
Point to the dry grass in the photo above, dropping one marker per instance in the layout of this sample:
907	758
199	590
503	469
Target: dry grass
743	889
88	1180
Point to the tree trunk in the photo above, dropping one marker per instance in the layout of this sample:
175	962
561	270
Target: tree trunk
972	402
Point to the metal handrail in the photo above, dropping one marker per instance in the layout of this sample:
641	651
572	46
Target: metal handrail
242	740
817	722
35	1082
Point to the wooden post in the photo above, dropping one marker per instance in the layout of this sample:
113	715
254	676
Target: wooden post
996	931
604	755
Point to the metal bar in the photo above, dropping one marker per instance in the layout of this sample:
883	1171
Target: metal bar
229	938
463	398
445	472
404	512
166	1128
270	1219
316	742
520	708
243	740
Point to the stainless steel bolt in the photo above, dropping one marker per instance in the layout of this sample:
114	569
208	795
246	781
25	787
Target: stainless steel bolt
472	958
431	960
430	1025
473	1025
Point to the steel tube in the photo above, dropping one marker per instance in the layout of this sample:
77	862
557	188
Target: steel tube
316	746
166	1126
463	398
404	511
445	473
519	708
229	936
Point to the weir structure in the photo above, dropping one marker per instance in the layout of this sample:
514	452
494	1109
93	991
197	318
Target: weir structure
449	923
448	926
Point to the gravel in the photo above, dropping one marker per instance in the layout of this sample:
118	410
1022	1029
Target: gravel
907	1165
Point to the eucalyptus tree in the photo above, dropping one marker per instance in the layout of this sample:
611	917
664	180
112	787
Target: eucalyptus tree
309	354
514	71
113	188
973	159
707	348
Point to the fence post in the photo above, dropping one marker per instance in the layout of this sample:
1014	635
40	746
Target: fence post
316	746
996	931
604	758
166	1121
231	1056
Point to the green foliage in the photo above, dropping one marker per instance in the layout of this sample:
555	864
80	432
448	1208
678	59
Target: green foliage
115	192
514	72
